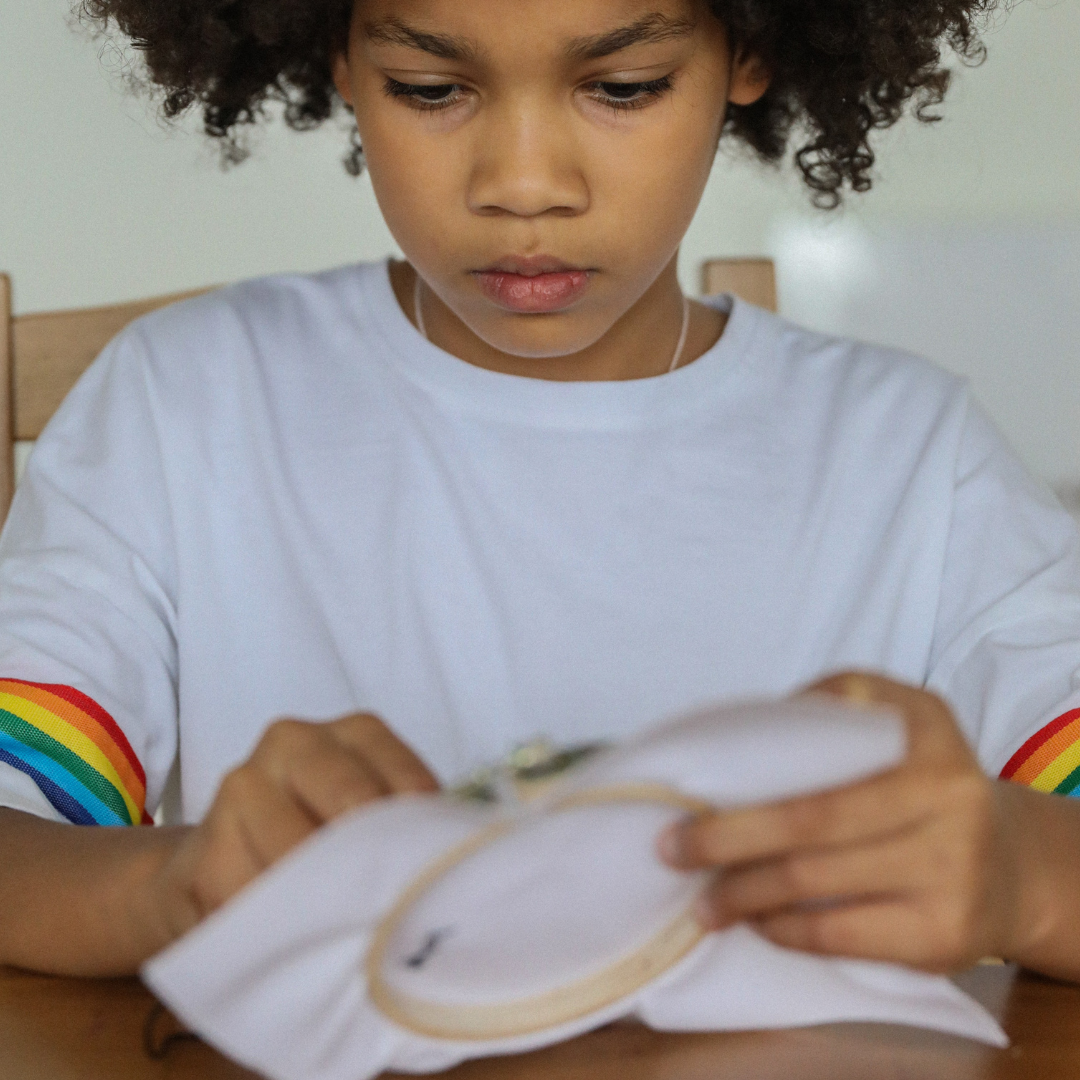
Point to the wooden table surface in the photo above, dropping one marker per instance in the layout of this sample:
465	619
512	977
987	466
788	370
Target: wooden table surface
65	1029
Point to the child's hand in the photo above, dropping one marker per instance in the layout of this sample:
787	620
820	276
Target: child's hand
917	865
300	776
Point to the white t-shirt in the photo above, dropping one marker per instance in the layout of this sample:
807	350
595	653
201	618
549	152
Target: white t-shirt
280	500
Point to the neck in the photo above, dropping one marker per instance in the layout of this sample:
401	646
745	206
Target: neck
639	345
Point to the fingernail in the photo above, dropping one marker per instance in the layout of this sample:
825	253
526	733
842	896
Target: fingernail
669	845
858	689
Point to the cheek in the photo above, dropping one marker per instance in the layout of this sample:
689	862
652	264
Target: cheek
421	195
684	153
648	189
407	190
414	186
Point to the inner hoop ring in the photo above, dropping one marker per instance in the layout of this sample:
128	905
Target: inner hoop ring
523	1016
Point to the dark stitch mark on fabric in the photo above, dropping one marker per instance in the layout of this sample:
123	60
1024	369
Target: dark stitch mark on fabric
427	950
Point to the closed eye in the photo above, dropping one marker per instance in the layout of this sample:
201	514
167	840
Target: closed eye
622	96
423	96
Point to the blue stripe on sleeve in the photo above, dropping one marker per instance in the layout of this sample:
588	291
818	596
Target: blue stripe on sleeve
57	796
70	797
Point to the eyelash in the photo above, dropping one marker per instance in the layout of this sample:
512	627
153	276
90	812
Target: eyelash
640	94
644	93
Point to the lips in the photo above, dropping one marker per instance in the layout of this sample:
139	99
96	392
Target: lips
534	285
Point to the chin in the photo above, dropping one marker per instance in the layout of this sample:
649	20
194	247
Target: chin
540	338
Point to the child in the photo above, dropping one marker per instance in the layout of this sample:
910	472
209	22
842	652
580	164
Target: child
518	486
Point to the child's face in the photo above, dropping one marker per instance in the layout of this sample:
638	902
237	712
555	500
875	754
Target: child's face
576	133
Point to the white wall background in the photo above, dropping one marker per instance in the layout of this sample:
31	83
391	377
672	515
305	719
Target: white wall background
968	249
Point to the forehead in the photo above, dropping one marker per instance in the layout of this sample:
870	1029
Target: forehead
481	29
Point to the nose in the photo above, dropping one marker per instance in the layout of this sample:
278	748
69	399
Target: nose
526	164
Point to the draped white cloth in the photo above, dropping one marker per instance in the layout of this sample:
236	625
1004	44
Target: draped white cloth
276	979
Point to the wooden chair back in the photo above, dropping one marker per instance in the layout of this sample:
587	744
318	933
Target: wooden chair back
41	358
753	280
43	355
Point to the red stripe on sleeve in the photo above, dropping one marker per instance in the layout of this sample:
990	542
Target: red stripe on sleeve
1036	740
92	708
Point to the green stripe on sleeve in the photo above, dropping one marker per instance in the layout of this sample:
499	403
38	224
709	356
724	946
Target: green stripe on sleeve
1070	783
86	774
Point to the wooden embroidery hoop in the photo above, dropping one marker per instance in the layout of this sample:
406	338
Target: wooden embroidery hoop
522	1016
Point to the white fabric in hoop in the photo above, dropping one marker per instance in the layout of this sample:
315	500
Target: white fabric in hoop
278	978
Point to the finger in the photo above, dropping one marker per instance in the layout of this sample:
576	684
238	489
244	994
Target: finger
858	687
267	817
362	735
860	813
932	728
396	763
251	824
224	864
887	870
331	779
887	930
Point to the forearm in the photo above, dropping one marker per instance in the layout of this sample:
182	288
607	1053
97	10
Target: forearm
78	900
1045	832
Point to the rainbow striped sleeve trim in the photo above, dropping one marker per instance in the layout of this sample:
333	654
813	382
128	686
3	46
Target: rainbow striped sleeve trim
74	751
1050	759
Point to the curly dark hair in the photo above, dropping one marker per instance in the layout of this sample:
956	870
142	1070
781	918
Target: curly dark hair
840	68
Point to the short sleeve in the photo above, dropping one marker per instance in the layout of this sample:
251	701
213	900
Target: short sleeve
1007	637
88	659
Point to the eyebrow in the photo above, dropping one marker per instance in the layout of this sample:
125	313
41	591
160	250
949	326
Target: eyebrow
648	30
444	46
